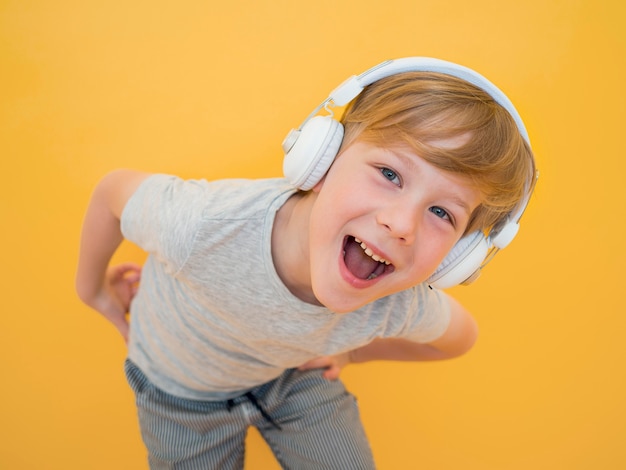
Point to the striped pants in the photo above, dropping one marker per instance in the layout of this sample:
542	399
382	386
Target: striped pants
308	422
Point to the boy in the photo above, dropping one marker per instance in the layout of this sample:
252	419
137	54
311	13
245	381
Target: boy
255	294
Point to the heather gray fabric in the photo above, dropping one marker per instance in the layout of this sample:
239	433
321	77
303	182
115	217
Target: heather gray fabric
212	319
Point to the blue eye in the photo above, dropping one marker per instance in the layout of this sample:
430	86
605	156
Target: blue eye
439	212
390	175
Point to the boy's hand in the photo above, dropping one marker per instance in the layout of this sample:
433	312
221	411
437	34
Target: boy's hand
121	283
332	364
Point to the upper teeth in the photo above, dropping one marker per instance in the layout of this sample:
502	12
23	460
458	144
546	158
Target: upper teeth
370	253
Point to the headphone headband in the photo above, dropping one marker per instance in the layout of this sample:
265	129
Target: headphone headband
354	85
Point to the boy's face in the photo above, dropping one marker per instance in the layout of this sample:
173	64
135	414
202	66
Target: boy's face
382	222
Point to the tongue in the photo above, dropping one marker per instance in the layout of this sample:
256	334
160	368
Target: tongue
359	264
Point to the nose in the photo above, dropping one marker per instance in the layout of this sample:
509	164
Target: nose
400	220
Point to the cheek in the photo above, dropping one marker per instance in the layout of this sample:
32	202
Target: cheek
333	208
439	255
428	257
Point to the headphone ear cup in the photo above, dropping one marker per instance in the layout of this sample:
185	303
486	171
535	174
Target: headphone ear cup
462	263
316	146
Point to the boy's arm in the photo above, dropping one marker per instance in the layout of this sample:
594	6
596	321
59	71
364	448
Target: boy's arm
459	338
107	290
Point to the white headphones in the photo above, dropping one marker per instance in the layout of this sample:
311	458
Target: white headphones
311	149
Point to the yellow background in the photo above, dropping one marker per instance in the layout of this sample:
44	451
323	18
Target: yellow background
209	89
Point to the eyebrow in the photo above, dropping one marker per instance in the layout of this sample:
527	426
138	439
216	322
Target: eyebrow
461	203
408	161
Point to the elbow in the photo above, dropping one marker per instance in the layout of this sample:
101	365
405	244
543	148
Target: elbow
466	337
469	339
462	346
462	332
83	291
459	339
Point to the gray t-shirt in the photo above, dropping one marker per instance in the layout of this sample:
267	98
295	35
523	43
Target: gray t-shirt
212	319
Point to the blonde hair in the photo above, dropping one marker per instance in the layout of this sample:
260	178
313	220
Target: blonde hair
422	109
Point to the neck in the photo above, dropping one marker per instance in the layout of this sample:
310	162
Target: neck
290	245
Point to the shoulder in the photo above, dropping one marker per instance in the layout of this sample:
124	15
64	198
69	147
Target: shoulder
224	193
247	193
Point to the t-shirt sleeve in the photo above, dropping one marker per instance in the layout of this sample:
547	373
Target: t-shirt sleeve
162	217
430	315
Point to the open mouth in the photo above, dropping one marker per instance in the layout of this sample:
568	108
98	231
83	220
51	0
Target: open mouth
362	262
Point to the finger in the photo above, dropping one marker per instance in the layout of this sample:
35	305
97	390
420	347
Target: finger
318	363
129	266
332	373
127	269
128	272
132	278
